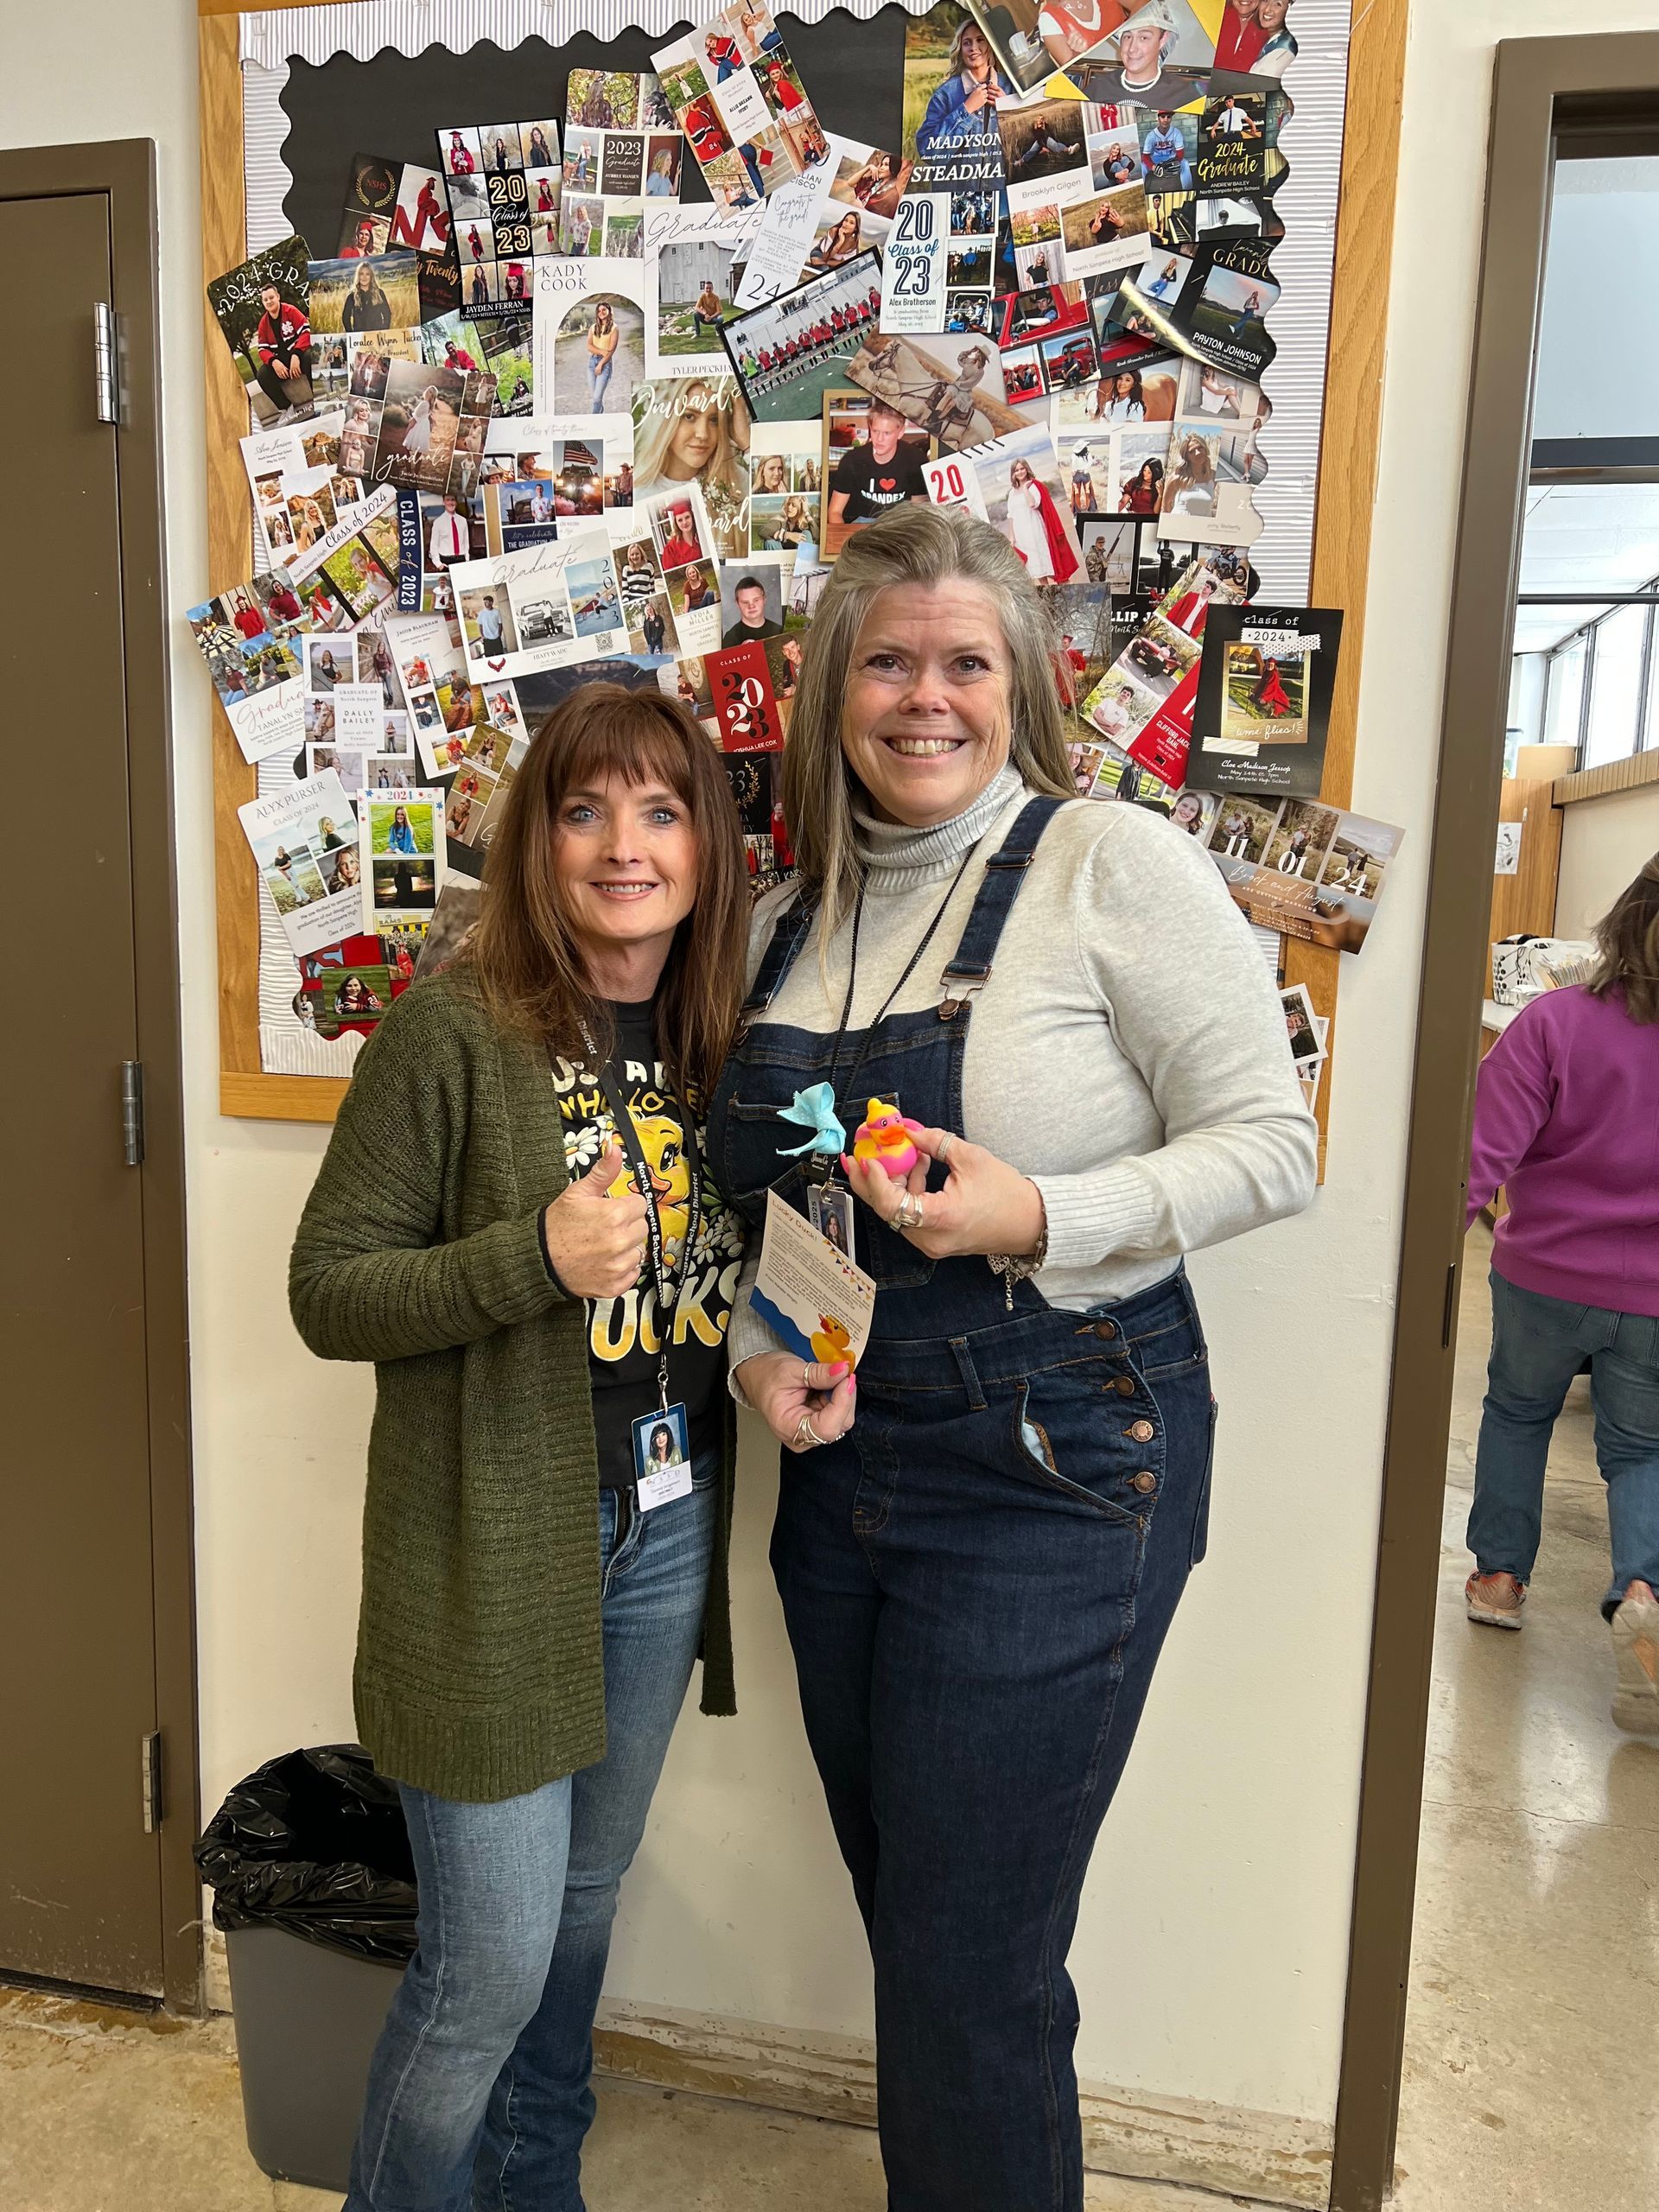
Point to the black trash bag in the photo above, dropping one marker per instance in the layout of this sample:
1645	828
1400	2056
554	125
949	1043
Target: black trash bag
314	1842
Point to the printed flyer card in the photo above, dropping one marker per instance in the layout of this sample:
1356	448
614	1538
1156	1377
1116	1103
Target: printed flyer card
436	684
430	428
393	204
1263	709
352	570
693	258
362	293
613	169
952	393
1046	343
739	98
250	638
1231	157
1145	700
538	475
682	539
914	261
872	462
503	180
694	430
746	708
400	854
304	844
1210	301
827	216
1214	460
589	335
953	87
295	461
546	606
786	476
1306	870
808	1291
1013	484
790	350
262	308
1158	53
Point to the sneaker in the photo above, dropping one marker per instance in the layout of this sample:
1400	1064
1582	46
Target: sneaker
1494	1599
1636	1650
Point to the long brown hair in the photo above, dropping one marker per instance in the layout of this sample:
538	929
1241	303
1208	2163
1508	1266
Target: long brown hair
1627	937
524	953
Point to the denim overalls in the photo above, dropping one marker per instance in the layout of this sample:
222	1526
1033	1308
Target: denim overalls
975	1580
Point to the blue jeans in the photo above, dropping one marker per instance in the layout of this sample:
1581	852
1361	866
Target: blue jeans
977	1581
599	378
1538	1345
478	2097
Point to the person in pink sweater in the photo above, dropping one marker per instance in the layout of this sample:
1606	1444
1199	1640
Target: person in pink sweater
1567	1119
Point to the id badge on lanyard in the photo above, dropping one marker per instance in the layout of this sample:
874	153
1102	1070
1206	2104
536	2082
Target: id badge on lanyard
662	1439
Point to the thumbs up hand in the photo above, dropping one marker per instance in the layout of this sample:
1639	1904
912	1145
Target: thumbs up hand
597	1243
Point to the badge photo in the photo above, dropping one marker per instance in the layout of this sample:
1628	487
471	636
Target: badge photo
662	1457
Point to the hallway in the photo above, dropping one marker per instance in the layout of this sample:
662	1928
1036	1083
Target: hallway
1530	2065
1531	2077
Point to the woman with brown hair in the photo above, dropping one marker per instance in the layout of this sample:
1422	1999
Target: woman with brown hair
1566	1121
517	1222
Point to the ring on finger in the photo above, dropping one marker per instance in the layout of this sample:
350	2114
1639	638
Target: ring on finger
946	1143
806	1435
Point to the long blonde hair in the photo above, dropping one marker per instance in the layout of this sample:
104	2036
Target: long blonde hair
912	544
657	410
1627	939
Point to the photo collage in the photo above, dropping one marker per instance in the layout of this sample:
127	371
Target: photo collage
527	414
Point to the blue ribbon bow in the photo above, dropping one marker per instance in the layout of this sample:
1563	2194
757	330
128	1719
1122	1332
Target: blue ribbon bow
815	1110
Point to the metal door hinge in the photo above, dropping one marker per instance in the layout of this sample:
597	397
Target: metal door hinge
150	1754
106	363
133	1113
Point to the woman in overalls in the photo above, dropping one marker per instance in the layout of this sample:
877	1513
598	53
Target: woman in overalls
982	1541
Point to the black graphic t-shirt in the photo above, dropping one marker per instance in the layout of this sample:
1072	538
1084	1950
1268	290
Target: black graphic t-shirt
624	1335
872	486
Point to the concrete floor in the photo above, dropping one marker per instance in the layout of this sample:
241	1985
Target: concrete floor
109	2112
1530	2076
1530	2073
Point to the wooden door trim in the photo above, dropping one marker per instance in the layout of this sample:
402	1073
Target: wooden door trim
1541	86
124	170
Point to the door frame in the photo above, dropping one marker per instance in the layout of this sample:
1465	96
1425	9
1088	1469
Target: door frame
1610	82
123	171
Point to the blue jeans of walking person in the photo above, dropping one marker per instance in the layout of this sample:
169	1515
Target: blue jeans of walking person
478	2098
599	379
1538	1345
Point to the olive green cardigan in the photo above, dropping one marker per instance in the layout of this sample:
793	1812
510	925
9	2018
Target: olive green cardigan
479	1671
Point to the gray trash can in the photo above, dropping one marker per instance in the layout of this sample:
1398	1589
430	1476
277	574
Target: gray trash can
307	2021
314	1886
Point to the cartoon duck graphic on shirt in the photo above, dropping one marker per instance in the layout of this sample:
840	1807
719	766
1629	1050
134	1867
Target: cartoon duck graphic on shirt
664	1147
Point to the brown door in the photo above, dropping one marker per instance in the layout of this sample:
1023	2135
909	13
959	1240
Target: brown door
79	1875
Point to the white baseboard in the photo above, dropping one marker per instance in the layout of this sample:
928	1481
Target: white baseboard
1270	2156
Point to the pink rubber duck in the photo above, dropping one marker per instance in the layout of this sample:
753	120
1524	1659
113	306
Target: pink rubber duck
884	1137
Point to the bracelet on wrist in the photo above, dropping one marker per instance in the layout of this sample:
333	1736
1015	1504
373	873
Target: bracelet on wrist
1018	1267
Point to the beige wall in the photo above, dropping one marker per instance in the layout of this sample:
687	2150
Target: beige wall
1213	1949
1605	842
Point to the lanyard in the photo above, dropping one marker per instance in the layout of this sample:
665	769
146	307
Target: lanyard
910	970
663	1280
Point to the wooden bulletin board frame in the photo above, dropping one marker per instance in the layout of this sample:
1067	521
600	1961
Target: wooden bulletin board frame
1350	432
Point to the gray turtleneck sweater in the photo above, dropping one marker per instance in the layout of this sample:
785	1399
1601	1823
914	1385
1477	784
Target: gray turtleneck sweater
1128	1053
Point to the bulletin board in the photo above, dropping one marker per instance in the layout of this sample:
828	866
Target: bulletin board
287	96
